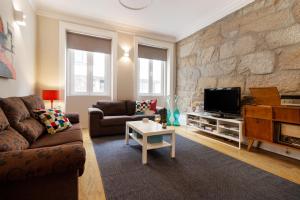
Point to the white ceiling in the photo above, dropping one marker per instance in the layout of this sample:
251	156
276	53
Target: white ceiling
177	18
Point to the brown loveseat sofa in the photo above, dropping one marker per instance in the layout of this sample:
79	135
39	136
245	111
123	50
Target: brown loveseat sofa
109	117
33	163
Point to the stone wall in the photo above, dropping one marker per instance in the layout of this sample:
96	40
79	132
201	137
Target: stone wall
256	46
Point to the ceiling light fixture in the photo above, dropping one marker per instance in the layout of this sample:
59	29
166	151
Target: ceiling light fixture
135	4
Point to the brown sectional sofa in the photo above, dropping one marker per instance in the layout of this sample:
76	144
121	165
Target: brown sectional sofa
33	163
109	117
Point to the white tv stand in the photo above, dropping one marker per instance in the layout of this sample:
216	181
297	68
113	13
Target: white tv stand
231	129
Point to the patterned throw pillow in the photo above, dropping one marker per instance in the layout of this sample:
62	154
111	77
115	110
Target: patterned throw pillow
142	106
146	105
54	120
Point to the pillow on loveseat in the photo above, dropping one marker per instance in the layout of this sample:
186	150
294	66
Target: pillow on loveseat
19	118
33	102
146	106
10	140
54	120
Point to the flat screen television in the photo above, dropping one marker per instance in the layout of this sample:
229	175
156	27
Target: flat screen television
223	100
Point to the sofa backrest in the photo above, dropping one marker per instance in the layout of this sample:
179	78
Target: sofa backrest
130	107
19	118
112	108
10	139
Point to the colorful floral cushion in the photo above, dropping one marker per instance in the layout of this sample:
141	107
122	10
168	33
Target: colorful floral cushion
142	106
54	120
145	105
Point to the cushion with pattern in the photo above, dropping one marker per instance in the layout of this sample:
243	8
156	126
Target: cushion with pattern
54	120
142	106
145	105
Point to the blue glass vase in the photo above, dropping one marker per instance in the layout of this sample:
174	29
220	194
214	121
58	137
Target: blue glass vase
176	112
169	112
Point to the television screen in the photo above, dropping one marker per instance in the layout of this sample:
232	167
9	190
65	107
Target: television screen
222	100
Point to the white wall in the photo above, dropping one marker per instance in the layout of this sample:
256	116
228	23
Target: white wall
25	52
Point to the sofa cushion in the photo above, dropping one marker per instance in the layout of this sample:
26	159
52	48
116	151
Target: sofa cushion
70	135
130	107
112	108
11	140
4	124
32	103
20	119
115	120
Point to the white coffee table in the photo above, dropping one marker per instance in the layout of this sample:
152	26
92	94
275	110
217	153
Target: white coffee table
150	128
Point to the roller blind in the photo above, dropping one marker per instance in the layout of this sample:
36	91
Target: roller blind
153	53
88	43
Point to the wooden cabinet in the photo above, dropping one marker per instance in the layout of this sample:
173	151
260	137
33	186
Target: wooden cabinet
286	114
260	129
258	122
263	121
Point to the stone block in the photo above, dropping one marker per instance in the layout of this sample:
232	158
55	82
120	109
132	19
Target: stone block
207	55
230	26
186	49
227	50
285	81
187	78
211	31
274	21
289	58
257	63
205	82
224	67
241	46
283	37
217	40
188	61
232	81
296	11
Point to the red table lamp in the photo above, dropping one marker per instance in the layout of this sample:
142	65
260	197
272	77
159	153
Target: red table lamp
51	95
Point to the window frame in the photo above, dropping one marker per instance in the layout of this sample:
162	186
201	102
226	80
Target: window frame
170	73
89	90
150	83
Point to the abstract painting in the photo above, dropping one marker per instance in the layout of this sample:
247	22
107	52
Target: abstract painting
6	50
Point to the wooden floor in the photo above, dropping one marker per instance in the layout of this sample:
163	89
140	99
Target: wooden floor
91	187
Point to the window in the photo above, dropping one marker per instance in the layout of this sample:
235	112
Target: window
151	77
88	73
89	64
151	71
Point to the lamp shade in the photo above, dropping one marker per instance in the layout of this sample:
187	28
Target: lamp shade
51	95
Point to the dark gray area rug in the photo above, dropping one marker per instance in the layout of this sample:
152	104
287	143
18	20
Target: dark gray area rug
197	172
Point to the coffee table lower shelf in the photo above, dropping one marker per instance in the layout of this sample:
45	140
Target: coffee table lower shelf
150	145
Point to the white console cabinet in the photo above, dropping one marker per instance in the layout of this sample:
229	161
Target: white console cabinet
231	129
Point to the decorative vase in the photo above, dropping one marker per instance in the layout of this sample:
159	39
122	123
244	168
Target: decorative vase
176	112
169	112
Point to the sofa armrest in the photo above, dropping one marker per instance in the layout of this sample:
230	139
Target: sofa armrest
21	165
73	117
96	113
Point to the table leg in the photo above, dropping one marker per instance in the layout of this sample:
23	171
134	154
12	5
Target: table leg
144	147
127	134
173	138
250	143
